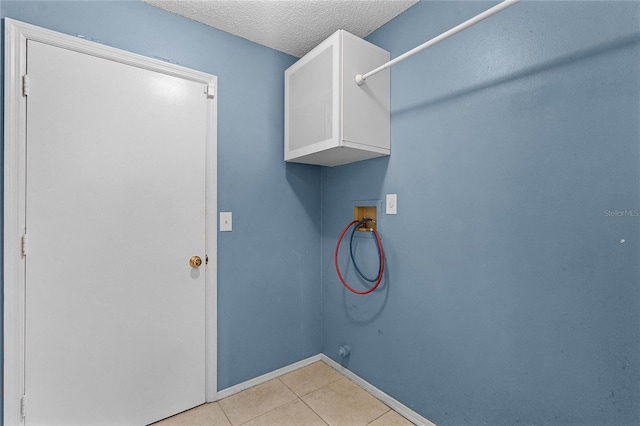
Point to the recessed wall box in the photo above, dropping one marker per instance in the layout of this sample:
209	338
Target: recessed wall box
361	212
329	120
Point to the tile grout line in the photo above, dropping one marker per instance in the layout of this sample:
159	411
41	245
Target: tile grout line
224	412
308	393
335	381
383	414
325	421
288	387
314	411
266	412
274	408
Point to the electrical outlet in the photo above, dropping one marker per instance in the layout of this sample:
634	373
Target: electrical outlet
392	204
226	221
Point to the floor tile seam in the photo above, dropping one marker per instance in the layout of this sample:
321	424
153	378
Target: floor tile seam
328	384
348	380
289	387
325	421
223	412
367	392
252	387
383	414
267	412
340	377
322	387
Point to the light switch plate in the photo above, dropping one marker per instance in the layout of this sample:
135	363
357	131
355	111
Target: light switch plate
392	204
226	221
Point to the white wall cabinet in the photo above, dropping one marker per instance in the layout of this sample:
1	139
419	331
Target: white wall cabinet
329	119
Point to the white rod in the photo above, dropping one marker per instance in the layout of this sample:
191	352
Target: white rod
360	78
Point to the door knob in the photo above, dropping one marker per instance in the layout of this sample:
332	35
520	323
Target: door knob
195	261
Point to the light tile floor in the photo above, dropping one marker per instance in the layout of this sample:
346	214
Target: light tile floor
313	395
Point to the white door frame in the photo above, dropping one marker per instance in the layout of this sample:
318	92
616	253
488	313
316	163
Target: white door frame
15	107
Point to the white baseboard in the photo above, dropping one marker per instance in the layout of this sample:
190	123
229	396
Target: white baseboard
266	377
396	405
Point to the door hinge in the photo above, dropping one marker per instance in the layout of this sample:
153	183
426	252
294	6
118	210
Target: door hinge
211	91
23	406
26	88
25	245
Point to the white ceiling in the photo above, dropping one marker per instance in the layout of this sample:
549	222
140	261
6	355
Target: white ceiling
290	26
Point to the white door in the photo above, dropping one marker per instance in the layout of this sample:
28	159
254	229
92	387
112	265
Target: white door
115	208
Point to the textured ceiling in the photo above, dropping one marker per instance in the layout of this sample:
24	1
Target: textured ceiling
290	26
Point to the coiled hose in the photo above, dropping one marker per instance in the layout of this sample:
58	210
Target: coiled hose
376	280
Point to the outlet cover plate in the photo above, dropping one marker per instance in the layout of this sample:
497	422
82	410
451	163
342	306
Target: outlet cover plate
392	204
226	222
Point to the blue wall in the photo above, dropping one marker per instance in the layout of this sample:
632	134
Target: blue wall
509	297
268	268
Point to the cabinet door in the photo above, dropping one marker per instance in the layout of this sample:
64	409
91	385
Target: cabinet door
311	101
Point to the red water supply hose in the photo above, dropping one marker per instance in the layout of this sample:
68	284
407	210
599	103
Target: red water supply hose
335	259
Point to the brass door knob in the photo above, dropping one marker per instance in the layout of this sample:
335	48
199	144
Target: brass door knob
195	261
